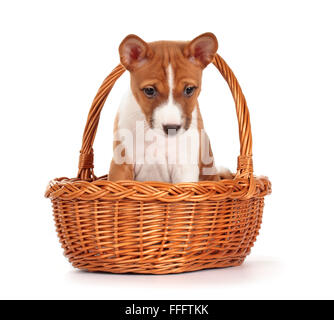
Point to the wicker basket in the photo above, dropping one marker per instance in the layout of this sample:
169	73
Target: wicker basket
154	227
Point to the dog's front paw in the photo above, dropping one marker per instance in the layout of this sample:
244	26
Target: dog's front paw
187	173
224	173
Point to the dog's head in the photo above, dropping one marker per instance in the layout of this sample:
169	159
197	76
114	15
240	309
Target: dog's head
166	78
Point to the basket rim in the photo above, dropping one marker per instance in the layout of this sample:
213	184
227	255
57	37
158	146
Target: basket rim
102	189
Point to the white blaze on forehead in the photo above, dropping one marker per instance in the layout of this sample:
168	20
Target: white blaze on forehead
169	112
170	77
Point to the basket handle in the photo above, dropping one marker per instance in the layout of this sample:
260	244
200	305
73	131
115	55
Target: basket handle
245	167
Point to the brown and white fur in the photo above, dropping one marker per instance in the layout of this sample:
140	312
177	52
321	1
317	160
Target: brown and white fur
164	87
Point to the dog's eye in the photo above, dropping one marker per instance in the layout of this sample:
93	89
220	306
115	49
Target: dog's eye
150	92
189	91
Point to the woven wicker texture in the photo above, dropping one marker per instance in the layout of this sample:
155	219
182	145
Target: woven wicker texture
155	227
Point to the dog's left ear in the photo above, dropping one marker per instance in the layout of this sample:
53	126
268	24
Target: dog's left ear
202	49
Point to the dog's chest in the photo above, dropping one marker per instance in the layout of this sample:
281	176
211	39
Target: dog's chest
164	160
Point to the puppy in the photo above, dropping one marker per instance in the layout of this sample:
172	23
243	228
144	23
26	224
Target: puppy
158	132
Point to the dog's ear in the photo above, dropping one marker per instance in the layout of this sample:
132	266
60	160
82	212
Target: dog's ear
133	52
202	49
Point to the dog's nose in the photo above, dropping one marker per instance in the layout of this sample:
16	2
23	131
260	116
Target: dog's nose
171	129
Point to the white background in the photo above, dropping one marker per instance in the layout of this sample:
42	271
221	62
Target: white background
53	57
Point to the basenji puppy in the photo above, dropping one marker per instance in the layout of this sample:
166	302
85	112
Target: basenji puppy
159	133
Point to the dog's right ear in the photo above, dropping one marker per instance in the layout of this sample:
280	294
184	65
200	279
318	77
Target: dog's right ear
133	52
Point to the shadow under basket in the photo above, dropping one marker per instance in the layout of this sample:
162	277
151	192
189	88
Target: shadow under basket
155	227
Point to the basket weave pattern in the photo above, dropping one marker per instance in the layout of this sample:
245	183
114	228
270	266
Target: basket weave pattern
155	227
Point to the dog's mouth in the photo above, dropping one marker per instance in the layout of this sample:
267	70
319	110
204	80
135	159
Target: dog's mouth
170	129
